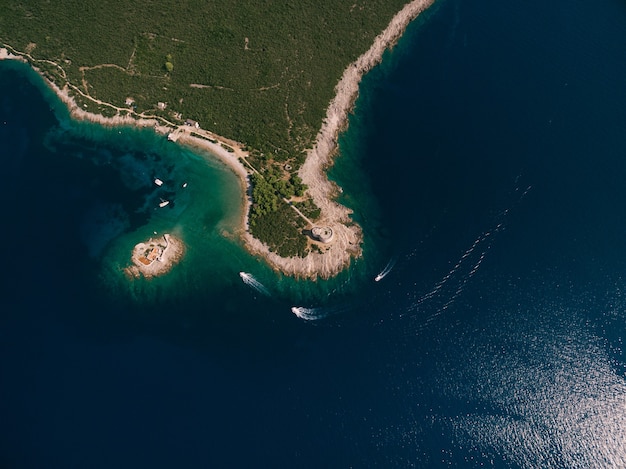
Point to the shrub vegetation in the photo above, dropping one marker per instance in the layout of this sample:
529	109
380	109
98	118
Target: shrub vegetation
259	72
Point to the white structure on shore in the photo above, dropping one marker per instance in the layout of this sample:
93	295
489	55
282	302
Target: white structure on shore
323	234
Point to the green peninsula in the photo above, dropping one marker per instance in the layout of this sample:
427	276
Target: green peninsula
258	77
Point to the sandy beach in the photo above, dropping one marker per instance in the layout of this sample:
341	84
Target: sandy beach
347	239
6	55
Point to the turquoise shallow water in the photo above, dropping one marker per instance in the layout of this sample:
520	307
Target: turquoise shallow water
120	165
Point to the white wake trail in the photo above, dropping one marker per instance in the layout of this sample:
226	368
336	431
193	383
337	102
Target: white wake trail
249	279
321	312
449	288
308	314
383	273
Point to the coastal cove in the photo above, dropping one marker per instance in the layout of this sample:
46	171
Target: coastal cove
208	214
323	258
123	209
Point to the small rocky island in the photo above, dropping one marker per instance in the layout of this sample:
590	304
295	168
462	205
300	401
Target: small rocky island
155	257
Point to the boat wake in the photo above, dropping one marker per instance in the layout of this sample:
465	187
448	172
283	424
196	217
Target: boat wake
308	314
448	289
383	273
248	279
321	312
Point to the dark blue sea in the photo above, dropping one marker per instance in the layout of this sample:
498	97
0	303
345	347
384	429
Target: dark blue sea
486	162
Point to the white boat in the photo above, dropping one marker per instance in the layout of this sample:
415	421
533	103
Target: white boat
164	203
385	271
158	182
